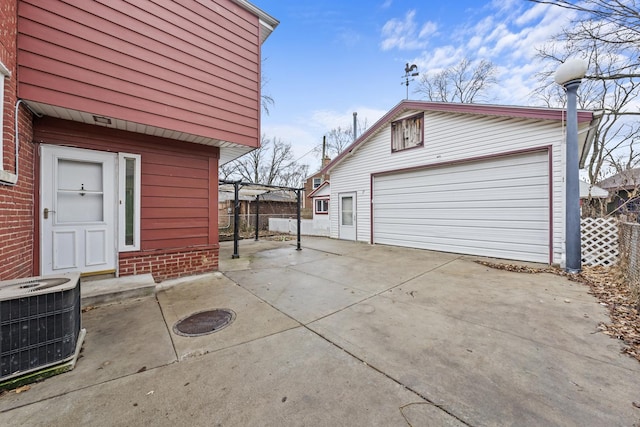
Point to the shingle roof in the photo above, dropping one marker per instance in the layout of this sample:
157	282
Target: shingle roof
624	180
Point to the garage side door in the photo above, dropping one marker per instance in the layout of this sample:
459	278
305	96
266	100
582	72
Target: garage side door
497	208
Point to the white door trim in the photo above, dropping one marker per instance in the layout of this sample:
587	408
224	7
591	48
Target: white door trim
347	231
75	244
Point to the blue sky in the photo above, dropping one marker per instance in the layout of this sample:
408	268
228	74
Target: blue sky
327	59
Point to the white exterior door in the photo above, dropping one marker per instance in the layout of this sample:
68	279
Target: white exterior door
498	207
347	220
77	210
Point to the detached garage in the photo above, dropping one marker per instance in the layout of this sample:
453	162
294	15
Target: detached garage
464	178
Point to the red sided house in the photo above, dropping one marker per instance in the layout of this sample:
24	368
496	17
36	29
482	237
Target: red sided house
116	117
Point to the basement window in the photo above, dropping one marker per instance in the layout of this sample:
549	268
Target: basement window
129	202
322	206
407	133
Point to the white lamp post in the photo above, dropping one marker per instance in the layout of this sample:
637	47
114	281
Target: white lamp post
569	75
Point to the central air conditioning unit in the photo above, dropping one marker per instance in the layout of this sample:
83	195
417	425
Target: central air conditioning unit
40	322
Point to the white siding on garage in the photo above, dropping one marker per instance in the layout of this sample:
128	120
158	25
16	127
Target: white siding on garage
496	207
449	137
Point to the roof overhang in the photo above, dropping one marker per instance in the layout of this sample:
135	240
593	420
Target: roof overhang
589	190
320	190
535	113
267	22
589	138
228	150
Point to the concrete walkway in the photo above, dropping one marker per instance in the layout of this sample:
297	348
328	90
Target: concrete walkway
345	334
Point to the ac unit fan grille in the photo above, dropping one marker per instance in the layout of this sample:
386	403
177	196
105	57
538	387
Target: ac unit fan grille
38	330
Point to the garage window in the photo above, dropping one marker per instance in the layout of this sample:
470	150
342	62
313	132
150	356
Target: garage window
407	133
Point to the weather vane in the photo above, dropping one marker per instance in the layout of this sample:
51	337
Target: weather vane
409	71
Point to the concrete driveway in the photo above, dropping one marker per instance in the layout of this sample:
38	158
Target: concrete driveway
344	333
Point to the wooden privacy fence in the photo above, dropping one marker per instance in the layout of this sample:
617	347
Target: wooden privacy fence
599	241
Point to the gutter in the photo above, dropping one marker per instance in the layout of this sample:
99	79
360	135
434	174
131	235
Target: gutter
590	138
268	22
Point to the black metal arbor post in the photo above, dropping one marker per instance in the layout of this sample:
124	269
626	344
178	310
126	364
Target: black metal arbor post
236	210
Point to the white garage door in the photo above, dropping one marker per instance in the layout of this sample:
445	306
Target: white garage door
497	208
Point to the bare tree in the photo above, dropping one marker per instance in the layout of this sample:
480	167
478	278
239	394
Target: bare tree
272	164
612	23
465	82
340	138
267	101
606	34
337	140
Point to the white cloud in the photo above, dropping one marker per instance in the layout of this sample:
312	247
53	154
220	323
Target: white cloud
474	42
428	28
510	37
404	34
438	59
532	14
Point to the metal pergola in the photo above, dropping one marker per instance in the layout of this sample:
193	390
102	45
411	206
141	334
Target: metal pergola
257	190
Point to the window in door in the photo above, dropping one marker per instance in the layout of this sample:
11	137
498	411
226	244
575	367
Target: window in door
79	200
347	211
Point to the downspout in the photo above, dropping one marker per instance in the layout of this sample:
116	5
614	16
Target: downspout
17	143
298	194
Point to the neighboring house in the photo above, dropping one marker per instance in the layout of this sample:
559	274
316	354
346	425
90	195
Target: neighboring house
465	178
125	110
310	184
590	191
624	192
593	199
320	202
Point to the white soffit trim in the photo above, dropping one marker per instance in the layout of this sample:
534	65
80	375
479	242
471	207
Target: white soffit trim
228	150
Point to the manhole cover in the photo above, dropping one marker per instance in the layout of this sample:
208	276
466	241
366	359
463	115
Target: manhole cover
204	322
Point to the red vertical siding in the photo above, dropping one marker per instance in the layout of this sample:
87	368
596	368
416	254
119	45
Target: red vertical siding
16	202
190	66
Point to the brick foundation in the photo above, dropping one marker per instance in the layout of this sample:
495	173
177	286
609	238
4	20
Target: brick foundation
170	264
